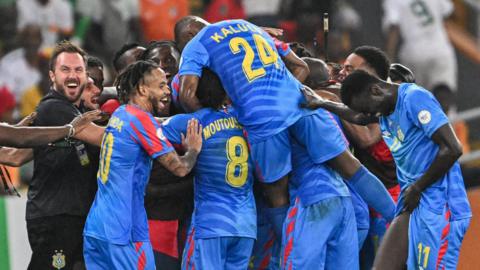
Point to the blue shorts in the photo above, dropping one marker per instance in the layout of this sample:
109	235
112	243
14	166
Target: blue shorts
458	228
217	253
321	236
100	254
272	156
427	238
266	251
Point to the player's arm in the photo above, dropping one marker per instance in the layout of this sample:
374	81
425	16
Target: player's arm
391	43
188	90
448	153
343	111
462	40
15	157
297	66
362	136
24	137
365	183
192	143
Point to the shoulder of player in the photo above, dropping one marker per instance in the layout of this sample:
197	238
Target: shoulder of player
413	92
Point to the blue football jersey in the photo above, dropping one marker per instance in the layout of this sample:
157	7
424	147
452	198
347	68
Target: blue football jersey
264	93
223	175
131	140
457	195
315	182
407	132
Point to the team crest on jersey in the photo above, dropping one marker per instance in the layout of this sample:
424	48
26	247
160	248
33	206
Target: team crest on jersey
58	261
160	134
424	117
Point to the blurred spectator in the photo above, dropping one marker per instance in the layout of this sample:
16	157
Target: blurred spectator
263	13
8	25
110	23
19	68
7	105
219	10
165	13
427	36
32	96
54	17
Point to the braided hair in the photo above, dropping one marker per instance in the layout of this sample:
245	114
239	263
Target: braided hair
131	78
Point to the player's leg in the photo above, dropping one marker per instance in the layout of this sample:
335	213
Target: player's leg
342	247
428	233
458	228
95	254
204	253
272	158
393	252
309	226
266	249
238	252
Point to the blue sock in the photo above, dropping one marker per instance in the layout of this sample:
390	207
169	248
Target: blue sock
277	216
373	192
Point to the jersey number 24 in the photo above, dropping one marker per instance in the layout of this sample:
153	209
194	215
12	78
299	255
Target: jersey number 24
267	55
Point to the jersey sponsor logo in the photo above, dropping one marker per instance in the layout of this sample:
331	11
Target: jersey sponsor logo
58	261
424	117
160	134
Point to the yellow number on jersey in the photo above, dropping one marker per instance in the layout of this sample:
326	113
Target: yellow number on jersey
237	154
266	54
105	156
426	253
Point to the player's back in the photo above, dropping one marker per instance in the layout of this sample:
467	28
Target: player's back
224	202
264	93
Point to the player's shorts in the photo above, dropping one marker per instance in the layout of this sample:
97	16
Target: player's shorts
321	236
103	255
427	239
272	156
458	228
266	251
217	253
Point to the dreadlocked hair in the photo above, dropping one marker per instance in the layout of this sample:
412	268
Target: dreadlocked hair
130	79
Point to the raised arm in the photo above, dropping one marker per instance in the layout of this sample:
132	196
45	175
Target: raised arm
182	165
297	66
448	153
187	96
25	137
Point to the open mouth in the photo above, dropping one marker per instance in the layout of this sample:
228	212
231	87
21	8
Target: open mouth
72	85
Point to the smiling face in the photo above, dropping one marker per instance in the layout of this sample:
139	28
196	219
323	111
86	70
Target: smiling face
159	94
90	95
69	76
352	63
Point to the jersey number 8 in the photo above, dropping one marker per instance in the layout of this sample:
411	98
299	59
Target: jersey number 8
266	54
237	166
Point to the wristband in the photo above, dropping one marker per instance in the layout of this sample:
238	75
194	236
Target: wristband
71	131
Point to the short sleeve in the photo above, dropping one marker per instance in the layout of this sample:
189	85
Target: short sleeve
194	58
282	47
334	141
147	132
55	113
425	111
391	13
174	126
175	88
446	8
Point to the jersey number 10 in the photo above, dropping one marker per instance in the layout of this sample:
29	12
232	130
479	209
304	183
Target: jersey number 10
265	52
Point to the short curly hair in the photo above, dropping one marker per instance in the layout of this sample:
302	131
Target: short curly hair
376	59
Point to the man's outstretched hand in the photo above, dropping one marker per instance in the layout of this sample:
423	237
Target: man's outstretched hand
80	122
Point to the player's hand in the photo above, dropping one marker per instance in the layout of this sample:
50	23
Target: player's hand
27	120
193	140
411	198
274	32
80	122
313	101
